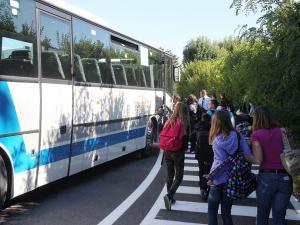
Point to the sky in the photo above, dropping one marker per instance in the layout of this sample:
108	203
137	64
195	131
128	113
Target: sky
169	24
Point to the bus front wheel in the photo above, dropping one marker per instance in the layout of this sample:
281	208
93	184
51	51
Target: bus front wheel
3	182
150	137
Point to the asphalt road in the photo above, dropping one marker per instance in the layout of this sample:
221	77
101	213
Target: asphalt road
87	198
121	193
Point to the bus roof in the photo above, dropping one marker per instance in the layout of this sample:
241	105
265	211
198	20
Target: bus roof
77	11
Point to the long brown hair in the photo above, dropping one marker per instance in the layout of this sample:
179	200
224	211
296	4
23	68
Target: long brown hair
220	124
263	119
180	112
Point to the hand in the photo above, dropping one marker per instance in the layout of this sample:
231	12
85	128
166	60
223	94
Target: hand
210	183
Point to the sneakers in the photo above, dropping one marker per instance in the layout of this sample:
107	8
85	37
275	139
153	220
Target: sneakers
173	201
167	202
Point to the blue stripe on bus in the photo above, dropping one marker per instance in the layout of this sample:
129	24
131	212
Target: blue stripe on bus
9	123
58	153
82	147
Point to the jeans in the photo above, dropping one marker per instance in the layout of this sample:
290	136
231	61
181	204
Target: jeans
215	197
174	170
273	192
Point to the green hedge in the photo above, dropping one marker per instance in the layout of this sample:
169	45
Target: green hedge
254	72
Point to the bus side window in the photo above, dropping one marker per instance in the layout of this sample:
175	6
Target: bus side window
147	76
51	66
16	61
66	65
79	71
106	75
92	70
130	75
18	46
140	77
119	73
54	54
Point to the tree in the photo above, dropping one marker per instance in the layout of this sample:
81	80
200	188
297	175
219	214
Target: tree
174	57
6	20
86	48
200	49
248	6
228	43
198	75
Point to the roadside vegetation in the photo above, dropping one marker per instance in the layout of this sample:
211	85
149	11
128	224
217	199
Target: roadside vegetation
262	65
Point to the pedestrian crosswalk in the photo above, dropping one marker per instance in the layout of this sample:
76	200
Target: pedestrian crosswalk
189	209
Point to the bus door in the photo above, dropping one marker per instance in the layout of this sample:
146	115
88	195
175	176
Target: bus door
56	91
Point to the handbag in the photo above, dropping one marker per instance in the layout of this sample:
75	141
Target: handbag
290	157
241	181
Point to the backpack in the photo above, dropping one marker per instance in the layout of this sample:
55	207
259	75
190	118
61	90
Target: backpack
171	137
241	181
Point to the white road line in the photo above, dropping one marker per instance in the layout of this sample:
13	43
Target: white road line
114	215
191	161
169	222
191	168
237	210
191	178
159	203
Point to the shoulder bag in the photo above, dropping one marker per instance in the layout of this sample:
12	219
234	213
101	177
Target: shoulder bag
290	157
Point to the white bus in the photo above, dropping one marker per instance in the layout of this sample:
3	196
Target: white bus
73	93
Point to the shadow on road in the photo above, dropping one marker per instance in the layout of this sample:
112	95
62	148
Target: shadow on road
25	204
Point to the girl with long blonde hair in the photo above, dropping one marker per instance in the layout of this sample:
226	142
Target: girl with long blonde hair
225	142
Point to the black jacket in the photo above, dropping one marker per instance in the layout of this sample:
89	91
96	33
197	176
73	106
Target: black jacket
203	151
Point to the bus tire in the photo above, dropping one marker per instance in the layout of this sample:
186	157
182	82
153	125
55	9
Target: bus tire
151	137
3	182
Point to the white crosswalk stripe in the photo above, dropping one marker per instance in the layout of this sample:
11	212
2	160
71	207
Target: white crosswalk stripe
188	190
190	161
188	207
191	168
166	222
196	191
189	155
236	210
191	178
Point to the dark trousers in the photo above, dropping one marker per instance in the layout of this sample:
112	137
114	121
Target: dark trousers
204	168
174	161
216	196
192	140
